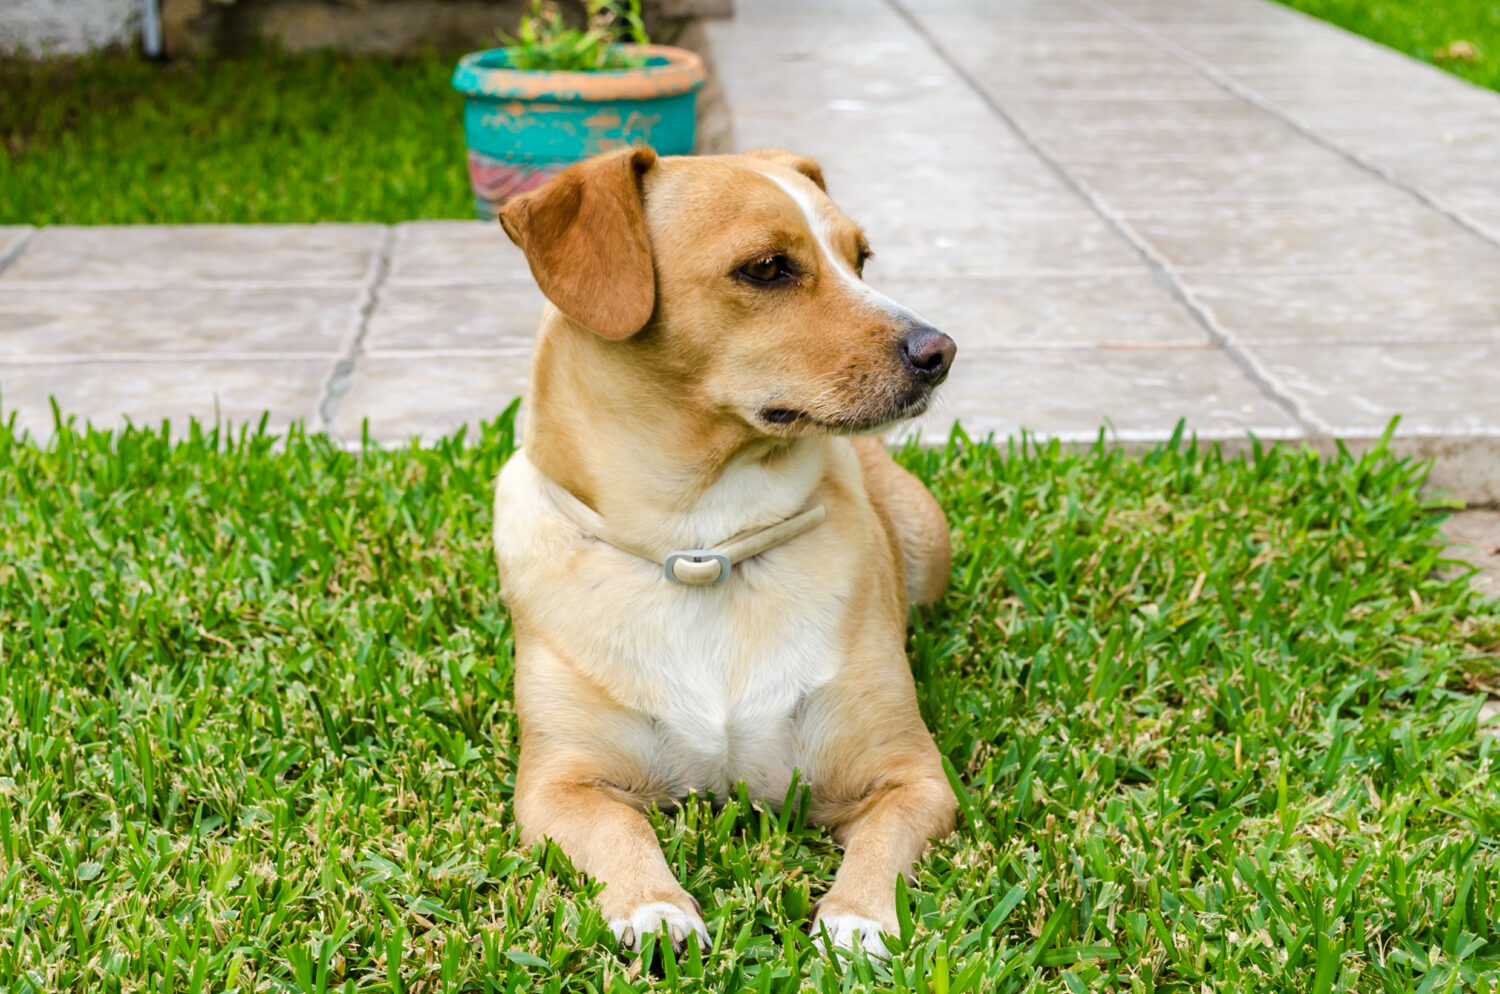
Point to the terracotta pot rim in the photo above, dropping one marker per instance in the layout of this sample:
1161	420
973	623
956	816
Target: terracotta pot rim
681	73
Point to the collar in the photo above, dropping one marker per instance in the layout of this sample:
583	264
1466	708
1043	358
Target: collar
693	567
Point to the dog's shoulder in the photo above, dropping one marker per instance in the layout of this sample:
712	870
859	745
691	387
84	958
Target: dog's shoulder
529	529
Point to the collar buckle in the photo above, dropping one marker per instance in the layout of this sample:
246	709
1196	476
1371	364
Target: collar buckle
697	567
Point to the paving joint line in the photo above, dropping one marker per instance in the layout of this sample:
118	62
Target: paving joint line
1162	271
1235	88
17	250
342	375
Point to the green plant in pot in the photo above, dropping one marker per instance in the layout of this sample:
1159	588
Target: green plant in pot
554	94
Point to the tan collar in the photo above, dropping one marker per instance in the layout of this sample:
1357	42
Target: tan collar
693	567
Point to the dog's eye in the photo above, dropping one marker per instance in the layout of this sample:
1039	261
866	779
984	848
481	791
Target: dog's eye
766	269
864	256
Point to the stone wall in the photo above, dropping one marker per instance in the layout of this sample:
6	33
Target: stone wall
369	27
66	27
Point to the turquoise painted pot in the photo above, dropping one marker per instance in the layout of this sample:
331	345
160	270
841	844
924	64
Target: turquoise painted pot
523	128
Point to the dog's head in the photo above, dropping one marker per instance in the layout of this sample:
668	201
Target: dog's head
733	282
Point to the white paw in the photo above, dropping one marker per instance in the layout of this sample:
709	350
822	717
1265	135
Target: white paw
839	931
648	919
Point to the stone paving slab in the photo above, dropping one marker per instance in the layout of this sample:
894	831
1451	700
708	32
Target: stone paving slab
448	252
930	193
1198	15
1027	243
1462	176
410	397
1089	311
1070	394
107	394
1171	141
1481	211
1267	238
136	256
1048	71
1293	308
1307	179
51	325
11	239
854	139
1354	389
1051	114
817	78
1345	88
1421	144
489	317
1476	540
1360	98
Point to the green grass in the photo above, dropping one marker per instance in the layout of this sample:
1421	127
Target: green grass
262	138
1424	29
1215	720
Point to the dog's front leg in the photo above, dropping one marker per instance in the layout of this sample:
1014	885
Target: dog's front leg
883	834
613	843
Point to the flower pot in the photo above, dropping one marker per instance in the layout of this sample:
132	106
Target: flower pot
523	127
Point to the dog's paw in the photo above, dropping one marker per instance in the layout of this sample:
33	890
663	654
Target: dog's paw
847	931
648	919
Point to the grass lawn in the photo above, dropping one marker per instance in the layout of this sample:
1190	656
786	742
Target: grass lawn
1215	721
116	140
1424	28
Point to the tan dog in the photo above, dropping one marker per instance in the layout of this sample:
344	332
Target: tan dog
710	348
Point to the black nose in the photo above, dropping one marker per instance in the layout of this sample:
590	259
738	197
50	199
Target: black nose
928	353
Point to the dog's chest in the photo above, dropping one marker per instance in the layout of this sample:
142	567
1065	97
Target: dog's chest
715	678
723	680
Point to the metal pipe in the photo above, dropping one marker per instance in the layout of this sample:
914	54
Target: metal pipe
151	29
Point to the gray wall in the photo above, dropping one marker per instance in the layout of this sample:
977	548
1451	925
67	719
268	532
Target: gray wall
384	27
66	26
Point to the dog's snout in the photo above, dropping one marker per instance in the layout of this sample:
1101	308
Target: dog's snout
928	353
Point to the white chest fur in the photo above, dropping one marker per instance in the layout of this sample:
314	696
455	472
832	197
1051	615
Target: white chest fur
723	682
717	676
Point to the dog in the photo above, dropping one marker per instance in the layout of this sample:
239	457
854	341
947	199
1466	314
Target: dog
707	556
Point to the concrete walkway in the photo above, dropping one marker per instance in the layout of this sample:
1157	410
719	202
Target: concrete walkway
1126	212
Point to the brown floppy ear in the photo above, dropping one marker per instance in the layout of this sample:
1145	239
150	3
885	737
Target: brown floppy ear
807	167
584	235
